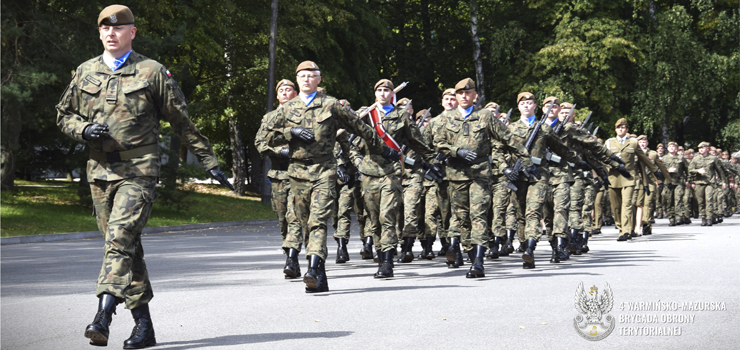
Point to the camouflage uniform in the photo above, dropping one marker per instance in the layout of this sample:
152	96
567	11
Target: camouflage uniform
704	182
673	199
345	203
124	163
650	200
313	169
443	196
412	182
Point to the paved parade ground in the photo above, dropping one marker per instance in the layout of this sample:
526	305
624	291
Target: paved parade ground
224	288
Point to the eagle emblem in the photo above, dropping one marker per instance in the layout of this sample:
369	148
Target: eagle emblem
113	19
596	324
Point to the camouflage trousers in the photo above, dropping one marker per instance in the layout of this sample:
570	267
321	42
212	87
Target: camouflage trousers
577	200
556	208
412	193
500	200
589	198
279	200
382	197
512	214
599	205
344	206
704	194
692	204
470	201
443	197
648	204
313	202
673	202
719	203
431	211
530	197
622	208
122	210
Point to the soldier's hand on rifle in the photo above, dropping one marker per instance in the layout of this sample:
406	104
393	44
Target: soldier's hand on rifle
659	175
660	186
468	155
623	171
616	158
302	133
532	171
284	152
511	174
605	178
94	131
390	154
219	176
342	174
598	183
434	168
647	190
585	166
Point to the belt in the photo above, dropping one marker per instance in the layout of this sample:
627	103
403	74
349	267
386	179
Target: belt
114	157
460	161
312	161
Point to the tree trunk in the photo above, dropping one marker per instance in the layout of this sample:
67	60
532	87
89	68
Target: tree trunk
237	155
479	79
271	64
11	129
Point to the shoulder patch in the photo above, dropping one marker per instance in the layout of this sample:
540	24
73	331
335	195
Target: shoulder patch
74	74
168	73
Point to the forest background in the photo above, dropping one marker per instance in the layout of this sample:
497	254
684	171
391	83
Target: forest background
672	68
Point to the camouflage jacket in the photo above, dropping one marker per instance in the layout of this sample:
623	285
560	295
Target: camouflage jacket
131	100
591	151
477	133
653	155
678	167
712	169
431	129
546	139
324	116
279	169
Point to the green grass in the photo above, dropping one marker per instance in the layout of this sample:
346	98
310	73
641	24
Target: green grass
42	210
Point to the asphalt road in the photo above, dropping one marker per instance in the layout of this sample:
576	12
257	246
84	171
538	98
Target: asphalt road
224	288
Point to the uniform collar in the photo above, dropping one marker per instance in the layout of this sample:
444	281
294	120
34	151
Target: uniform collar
528	122
465	112
387	109
307	99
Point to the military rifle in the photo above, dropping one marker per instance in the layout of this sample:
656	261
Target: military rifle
559	129
585	120
589	127
420	122
595	131
508	115
528	145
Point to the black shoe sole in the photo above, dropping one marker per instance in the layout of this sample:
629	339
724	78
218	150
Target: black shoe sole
290	274
151	342
585	250
528	259
316	290
451	256
96	338
528	266
311	282
475	274
407	258
366	255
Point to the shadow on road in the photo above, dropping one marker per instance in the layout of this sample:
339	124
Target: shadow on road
248	339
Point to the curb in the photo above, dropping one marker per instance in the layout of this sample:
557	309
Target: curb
55	237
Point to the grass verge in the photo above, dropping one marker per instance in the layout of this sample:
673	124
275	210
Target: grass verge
41	207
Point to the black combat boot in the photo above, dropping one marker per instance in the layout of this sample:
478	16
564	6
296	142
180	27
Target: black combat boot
342	254
703	222
315	278
367	248
98	330
711	221
428	253
493	248
563	249
407	255
445	246
471	255
292	267
584	245
596	231
503	251
385	267
454	254
555	258
143	334
528	256
510	243
647	230
720	219
477	269
579	239
672	222
573	240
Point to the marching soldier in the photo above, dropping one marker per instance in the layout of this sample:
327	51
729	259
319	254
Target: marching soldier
673	193
309	123
466	138
622	187
705	167
115	103
449	103
649	200
413	187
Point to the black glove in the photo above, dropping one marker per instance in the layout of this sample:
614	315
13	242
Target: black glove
671	187
390	154
616	158
468	155
647	190
585	166
660	187
342	175
511	174
284	152
659	175
219	175
605	178
437	170
598	183
94	131
623	171
532	171
303	134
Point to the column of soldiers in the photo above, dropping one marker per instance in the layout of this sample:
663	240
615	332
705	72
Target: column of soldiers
470	177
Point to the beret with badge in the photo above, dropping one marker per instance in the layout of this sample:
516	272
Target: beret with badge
465	84
306	65
524	96
384	83
115	15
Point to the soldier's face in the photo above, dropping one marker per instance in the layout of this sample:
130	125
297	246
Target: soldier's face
704	150
553	112
465	98
527	108
449	102
622	130
643	143
672	149
383	95
286	93
661	150
563	114
308	81
117	39
681	152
